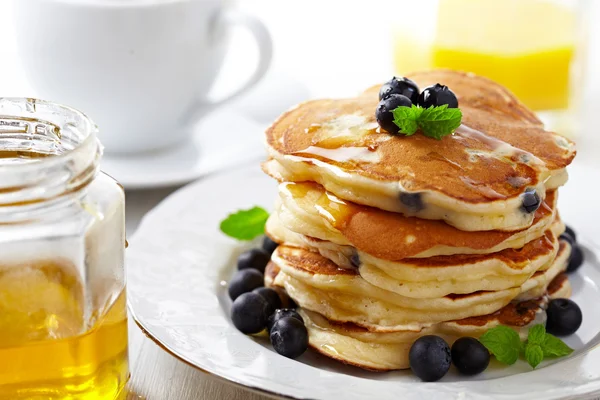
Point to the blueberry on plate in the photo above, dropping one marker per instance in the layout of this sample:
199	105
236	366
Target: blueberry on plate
531	201
563	317
384	115
429	358
282	313
269	245
469	356
403	86
249	313
271	296
567	238
255	259
437	95
245	281
289	337
571	232
575	259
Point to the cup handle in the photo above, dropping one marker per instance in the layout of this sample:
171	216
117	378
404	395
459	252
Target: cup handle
232	17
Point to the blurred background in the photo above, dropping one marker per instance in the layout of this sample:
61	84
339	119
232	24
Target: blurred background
546	51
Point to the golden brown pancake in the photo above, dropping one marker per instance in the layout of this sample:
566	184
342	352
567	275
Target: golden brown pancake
473	179
393	236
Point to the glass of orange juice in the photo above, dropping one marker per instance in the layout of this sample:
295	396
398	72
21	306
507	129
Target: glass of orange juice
63	317
533	47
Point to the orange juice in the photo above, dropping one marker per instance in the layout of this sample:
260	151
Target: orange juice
526	45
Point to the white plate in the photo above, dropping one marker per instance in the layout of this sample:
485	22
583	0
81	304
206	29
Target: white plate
221	140
178	264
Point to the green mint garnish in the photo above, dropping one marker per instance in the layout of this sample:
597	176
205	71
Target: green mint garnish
554	347
502	342
406	119
245	224
505	344
435	122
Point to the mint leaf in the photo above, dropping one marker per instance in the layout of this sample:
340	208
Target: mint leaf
554	347
406	119
537	335
245	224
437	122
534	354
502	342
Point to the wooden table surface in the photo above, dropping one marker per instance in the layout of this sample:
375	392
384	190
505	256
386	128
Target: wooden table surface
155	374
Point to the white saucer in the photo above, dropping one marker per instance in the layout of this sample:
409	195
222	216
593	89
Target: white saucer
221	140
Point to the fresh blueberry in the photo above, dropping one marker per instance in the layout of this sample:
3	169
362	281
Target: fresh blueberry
282	313
403	86
245	281
289	337
571	232
249	313
437	95
271	296
563	317
253	259
269	245
575	259
469	356
531	201
567	238
429	358
384	115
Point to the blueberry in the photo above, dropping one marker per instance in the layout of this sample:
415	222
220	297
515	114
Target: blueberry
575	259
282	313
271	296
249	313
245	281
531	201
384	115
437	95
571	232
289	337
269	245
429	358
469	356
403	86
255	259
412	201
567	238
563	317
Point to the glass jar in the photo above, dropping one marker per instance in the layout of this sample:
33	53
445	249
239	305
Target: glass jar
63	318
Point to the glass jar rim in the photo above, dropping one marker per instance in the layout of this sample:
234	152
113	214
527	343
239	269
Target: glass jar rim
65	136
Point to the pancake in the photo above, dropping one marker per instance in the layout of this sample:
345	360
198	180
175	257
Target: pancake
342	295
375	351
436	276
474	179
307	209
537	286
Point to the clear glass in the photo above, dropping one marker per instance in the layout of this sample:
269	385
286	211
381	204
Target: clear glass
63	319
536	48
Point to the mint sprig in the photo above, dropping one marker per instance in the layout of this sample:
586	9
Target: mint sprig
504	343
435	122
245	224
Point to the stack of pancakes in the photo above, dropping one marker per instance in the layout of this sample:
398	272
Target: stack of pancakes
384	239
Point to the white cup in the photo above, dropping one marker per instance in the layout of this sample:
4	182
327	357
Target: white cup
141	69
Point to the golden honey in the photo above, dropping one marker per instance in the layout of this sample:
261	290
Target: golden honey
45	348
